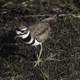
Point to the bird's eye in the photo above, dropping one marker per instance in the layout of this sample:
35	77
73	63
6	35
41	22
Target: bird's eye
22	31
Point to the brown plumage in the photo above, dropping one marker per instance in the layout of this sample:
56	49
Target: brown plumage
34	35
40	31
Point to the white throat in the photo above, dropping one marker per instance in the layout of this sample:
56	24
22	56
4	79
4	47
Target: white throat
36	43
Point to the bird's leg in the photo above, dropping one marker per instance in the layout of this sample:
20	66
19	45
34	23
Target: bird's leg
40	51
38	56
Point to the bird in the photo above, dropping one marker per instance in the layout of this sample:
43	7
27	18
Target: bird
34	35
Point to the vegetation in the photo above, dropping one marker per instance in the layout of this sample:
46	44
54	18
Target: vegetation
60	59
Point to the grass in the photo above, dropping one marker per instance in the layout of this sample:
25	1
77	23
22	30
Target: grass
59	57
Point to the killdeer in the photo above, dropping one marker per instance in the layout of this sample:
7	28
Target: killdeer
34	35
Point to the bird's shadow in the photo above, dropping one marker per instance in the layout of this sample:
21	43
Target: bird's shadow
8	46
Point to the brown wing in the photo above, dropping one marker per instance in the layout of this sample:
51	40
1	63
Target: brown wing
40	31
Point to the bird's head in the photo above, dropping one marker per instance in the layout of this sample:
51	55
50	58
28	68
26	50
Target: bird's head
21	30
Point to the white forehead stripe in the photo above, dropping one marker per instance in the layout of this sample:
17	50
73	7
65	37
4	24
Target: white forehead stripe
24	29
36	43
24	35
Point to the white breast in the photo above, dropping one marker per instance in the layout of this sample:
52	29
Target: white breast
38	32
36	43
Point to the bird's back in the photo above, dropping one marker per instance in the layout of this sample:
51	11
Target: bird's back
40	31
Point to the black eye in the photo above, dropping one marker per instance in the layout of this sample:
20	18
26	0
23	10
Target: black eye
22	31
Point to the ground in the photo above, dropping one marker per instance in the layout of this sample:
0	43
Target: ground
60	59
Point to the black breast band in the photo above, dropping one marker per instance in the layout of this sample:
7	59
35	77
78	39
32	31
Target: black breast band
27	39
